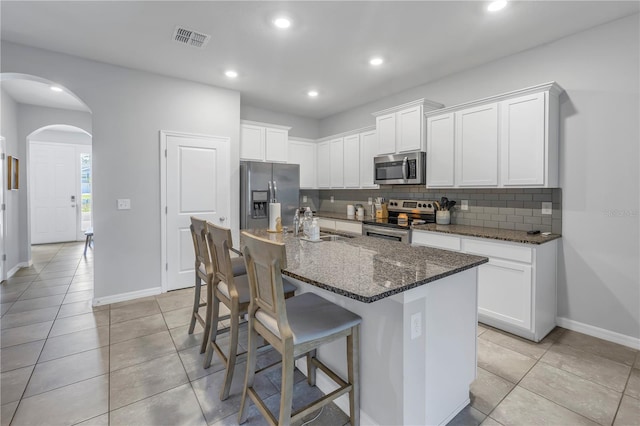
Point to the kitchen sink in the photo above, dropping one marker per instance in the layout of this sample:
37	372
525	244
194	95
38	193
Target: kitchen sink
329	237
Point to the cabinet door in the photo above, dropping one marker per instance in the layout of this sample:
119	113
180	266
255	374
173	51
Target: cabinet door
352	161
323	165
409	134
476	136
522	140
337	163
276	145
251	142
386	127
304	154
368	150
440	151
504	292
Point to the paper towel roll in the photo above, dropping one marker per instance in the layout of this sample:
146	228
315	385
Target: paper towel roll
274	214
351	210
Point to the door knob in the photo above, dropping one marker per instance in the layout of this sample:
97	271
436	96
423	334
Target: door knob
222	219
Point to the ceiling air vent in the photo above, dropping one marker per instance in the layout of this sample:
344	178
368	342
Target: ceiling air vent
191	38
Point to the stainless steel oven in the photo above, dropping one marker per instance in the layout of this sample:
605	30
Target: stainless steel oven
408	168
377	231
402	215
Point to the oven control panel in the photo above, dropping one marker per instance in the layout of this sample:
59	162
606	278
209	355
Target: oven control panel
412	206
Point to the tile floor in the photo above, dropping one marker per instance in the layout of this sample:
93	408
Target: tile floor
64	362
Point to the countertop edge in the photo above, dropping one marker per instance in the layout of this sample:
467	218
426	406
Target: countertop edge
488	233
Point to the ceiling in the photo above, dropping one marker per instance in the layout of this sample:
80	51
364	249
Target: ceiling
327	47
39	93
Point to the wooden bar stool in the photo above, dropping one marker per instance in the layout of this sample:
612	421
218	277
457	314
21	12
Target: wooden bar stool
233	291
295	327
204	272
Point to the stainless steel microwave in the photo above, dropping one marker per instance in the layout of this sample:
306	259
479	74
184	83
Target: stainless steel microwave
395	169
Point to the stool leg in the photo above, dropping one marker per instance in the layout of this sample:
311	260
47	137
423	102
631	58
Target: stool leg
311	368
86	244
196	302
353	373
213	333
286	393
233	350
250	373
208	318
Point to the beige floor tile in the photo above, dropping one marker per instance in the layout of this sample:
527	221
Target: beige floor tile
61	265
180	317
10	297
633	386
20	355
34	293
78	308
78	296
488	390
525	408
193	362
25	334
177	406
183	340
6	288
81	277
33	304
80	286
586	398
637	363
629	412
25	272
73	343
481	329
143	380
130	302
612	351
518	344
80	322
490	422
588	366
52	282
137	327
18	280
175	300
67	405
29	317
134	310
6	413
141	349
57	274
67	370
4	307
14	383
102	420
469	416
504	362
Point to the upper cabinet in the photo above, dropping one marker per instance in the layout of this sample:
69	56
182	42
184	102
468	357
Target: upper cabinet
352	161
263	142
510	140
303	152
401	128
368	150
336	165
324	165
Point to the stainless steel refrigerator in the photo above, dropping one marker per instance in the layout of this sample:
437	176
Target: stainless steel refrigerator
262	182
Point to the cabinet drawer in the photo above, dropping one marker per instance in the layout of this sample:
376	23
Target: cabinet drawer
326	223
500	250
436	240
352	227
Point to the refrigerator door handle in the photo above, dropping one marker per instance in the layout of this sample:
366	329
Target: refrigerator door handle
270	193
275	192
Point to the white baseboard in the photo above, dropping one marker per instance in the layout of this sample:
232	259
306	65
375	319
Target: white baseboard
123	297
326	385
601	333
16	268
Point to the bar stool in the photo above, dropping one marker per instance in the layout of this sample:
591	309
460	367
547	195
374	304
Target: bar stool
233	291
295	327
204	272
88	239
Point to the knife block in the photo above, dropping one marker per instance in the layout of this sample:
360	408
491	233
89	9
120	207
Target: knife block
382	212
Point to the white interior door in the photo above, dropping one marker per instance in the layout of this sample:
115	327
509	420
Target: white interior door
3	185
53	191
197	184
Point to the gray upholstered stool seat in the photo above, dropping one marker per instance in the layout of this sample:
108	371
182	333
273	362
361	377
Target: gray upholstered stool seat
242	285
237	266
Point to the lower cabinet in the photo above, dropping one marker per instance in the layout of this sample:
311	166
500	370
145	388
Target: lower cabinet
516	289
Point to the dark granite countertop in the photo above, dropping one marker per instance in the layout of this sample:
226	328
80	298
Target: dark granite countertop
341	216
490	233
367	269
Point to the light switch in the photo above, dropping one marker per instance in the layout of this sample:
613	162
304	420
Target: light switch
332	199
547	208
464	205
124	204
370	201
304	198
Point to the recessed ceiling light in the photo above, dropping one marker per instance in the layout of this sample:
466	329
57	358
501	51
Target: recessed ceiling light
231	74
376	61
282	22
56	88
496	5
312	93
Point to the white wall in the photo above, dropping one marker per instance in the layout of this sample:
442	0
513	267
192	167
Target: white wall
301	127
129	108
9	130
61	136
598	263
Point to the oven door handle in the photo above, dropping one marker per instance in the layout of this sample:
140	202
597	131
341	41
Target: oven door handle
383	230
405	163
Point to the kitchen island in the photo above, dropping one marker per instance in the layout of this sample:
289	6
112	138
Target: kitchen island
418	334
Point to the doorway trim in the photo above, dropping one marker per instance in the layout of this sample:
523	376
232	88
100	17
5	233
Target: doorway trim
3	209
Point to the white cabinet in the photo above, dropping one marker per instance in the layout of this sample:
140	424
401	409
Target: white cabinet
324	161
352	161
440	151
507	141
368	149
350	226
401	128
476	146
304	154
516	289
337	163
263	142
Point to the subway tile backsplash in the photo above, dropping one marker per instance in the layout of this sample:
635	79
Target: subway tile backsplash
519	209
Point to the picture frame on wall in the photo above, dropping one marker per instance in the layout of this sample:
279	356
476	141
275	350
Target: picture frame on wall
13	173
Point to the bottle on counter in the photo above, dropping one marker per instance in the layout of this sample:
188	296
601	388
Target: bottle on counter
314	230
306	224
296	223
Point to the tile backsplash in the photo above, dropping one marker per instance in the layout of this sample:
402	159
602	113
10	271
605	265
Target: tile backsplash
519	209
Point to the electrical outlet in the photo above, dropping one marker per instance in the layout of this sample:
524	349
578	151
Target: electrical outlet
124	204
304	198
547	208
464	205
416	325
370	201
332	199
